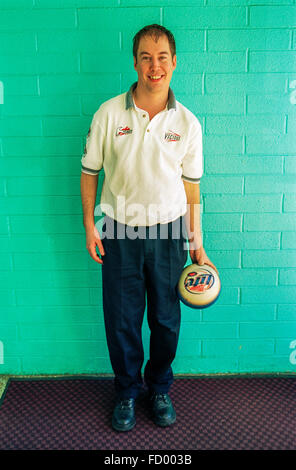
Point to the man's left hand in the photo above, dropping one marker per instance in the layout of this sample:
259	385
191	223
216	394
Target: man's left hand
200	257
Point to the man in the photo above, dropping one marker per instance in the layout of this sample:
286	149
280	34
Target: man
150	147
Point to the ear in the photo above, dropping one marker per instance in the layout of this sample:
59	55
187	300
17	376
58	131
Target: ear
135	63
174	61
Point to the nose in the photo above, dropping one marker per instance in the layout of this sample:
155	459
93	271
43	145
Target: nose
154	63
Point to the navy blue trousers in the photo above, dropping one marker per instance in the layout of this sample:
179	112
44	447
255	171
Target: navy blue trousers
135	271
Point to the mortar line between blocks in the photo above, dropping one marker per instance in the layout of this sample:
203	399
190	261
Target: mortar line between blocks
247	60
247	16
286	119
161	16
291	40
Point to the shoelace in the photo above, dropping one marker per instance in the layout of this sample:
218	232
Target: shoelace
125	404
160	397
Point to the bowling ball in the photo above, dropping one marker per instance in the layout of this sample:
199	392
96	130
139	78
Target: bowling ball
199	286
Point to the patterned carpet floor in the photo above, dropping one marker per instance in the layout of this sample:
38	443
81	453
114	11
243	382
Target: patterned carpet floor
222	413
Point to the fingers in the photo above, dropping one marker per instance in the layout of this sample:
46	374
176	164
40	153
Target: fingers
100	246
196	257
93	252
199	257
209	263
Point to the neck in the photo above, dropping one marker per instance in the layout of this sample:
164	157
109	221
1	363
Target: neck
146	100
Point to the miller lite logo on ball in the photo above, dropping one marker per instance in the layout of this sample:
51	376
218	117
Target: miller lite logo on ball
199	286
198	281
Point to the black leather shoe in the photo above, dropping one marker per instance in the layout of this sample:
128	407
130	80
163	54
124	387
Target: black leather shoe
162	409
123	418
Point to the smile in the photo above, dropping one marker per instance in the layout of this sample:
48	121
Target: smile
155	78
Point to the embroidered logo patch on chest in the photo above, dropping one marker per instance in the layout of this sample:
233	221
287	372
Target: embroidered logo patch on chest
123	131
171	136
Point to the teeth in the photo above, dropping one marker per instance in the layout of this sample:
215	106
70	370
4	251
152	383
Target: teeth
156	77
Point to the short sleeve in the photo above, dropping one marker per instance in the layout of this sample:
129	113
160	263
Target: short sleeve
192	163
92	158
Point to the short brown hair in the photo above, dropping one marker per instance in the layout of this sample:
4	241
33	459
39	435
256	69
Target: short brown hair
154	30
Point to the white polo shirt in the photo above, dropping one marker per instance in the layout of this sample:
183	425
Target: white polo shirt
144	161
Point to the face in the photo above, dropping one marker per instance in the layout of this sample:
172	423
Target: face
154	64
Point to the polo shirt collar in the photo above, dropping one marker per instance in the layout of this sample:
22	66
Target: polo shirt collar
129	102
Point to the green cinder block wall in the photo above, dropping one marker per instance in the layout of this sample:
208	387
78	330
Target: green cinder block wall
236	70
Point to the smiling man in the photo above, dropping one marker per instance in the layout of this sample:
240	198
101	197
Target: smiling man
150	147
154	64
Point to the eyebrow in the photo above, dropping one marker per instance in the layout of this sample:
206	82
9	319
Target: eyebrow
147	53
